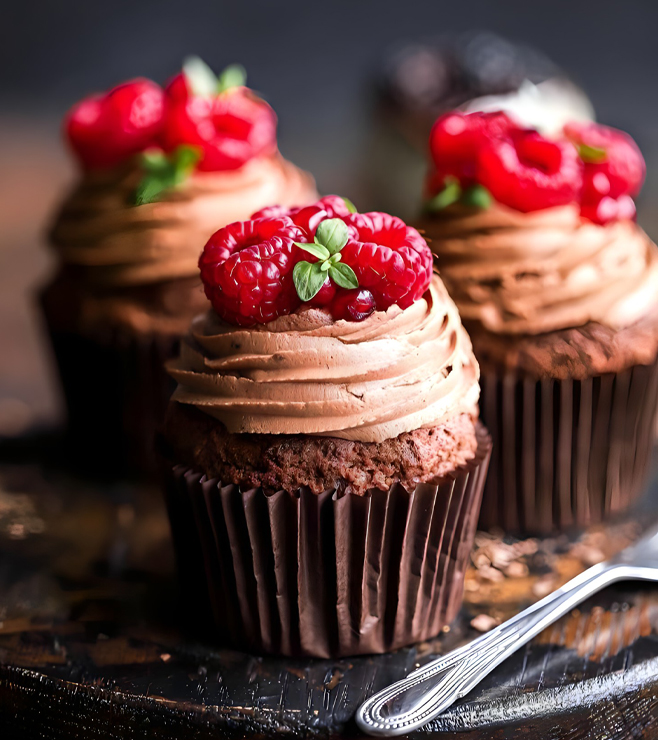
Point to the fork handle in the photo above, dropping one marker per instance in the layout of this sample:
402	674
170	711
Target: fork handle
422	695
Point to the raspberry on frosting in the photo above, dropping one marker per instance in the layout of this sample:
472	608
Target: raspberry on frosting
456	139
218	118
323	255
480	156
529	172
614	171
104	130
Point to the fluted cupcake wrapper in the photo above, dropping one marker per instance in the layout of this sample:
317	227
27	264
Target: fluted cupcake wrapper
566	452
294	573
116	392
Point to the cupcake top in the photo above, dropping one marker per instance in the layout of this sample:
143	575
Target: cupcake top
535	234
325	321
162	168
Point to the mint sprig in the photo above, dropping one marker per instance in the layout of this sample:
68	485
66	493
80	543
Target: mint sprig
475	196
162	171
203	82
330	237
450	194
350	206
235	75
592	154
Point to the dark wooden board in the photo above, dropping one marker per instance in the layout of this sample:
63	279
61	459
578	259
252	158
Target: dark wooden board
95	644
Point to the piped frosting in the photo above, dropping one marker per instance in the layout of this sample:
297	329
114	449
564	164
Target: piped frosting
396	371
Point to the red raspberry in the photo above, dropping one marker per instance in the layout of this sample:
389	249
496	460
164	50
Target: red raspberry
325	296
246	269
230	128
273	212
609	209
104	130
352	305
455	142
389	258
529	172
308	217
335	206
620	168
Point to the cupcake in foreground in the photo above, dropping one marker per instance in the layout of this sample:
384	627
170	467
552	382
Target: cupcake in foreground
160	171
558	288
328	457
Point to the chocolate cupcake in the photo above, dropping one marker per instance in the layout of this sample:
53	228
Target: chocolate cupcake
327	459
161	170
558	288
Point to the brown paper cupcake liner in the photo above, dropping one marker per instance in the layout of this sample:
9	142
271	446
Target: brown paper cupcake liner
116	392
332	574
566	452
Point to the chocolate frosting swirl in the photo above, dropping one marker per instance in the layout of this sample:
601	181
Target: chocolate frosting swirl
99	229
530	273
396	371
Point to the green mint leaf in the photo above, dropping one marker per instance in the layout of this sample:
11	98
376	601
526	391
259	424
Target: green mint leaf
343	275
235	75
308	279
162	172
154	160
186	158
333	234
317	250
446	197
150	188
592	154
201	79
476	196
350	206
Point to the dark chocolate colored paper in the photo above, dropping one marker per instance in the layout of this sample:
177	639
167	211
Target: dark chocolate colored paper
116	391
328	575
566	452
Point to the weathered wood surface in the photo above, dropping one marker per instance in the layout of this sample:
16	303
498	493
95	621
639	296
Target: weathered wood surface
91	642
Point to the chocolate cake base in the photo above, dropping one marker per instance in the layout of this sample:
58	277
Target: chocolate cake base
110	348
289	461
296	573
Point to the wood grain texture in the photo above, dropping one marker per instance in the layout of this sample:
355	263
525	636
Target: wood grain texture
95	644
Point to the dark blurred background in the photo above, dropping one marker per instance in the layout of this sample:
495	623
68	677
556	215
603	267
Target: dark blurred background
315	62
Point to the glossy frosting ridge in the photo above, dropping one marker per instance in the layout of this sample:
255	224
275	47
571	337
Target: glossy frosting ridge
98	227
396	371
531	273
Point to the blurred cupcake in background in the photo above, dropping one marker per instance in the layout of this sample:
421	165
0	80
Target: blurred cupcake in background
558	287
474	71
161	170
327	458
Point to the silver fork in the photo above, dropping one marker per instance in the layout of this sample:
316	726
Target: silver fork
422	695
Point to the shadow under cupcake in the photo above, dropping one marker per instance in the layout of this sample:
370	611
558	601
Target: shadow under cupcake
558	288
326	461
128	238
